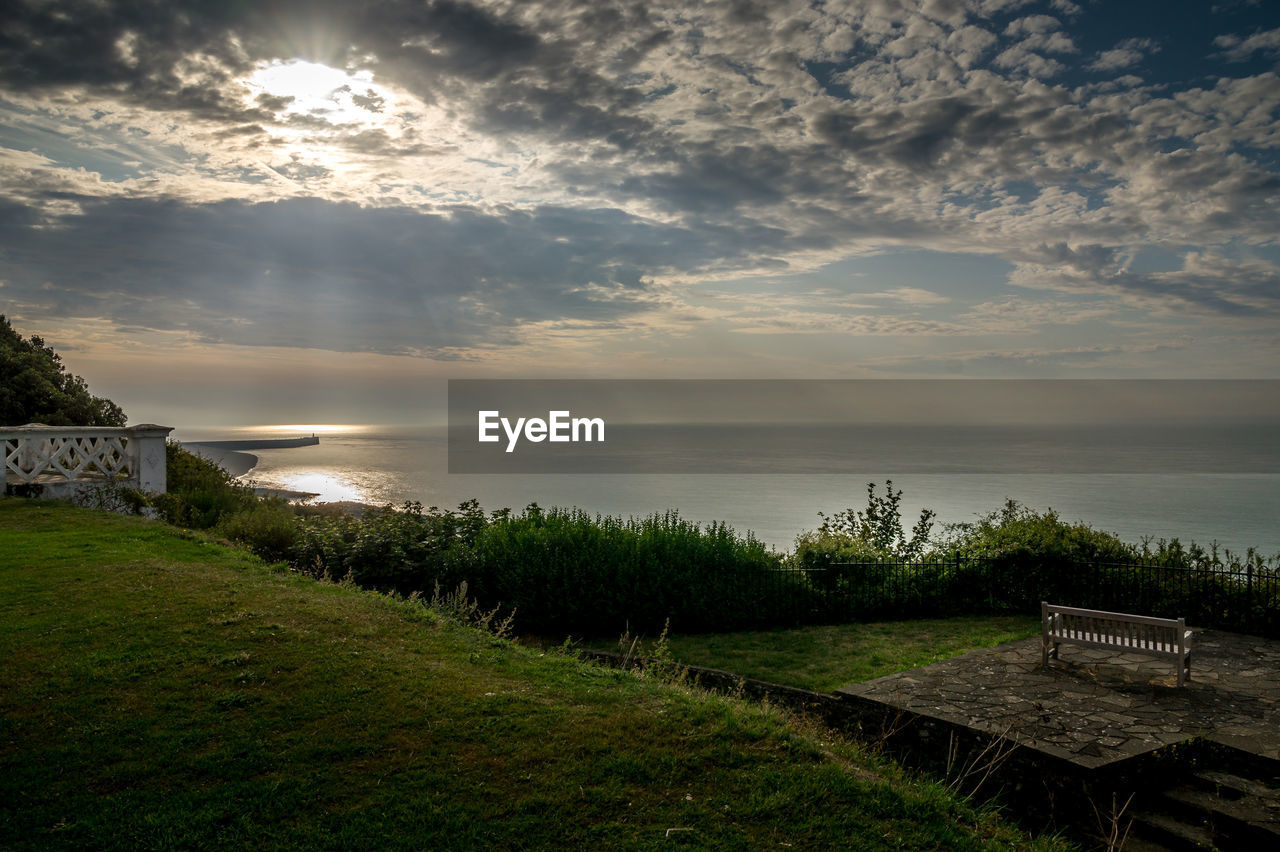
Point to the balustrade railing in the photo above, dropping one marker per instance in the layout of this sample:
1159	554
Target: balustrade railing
62	459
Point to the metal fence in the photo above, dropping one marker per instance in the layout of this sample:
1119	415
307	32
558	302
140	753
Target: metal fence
1243	600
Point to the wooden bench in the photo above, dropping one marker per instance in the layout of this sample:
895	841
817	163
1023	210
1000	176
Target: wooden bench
1167	638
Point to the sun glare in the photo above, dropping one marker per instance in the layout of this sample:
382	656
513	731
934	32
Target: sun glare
319	91
303	429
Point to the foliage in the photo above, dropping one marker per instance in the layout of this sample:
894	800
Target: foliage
567	571
1018	531
113	497
200	493
38	389
874	534
405	550
268	527
1173	553
460	607
1010	559
562	570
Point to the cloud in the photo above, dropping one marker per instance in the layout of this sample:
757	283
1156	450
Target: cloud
495	169
912	296
1020	315
1208	283
1036	35
1239	49
1125	54
335	276
1041	26
1038	362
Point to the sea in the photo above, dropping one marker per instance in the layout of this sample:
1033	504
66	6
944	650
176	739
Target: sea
391	465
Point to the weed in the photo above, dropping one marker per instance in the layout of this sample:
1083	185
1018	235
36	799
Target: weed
967	779
460	607
662	664
111	496
1109	823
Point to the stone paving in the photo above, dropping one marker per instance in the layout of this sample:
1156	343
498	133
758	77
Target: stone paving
1094	707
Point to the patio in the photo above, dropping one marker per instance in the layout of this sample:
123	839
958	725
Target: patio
1096	707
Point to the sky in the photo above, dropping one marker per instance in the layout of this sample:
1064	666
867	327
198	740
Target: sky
255	212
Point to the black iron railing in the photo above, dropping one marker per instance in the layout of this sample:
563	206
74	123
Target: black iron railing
1245	599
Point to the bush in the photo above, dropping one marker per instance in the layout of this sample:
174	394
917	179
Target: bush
874	534
561	570
405	550
269	528
1015	530
1172	553
565	571
199	492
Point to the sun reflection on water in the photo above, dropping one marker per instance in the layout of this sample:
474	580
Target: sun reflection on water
328	487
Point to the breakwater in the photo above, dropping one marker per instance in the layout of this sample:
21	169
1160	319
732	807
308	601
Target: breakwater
261	443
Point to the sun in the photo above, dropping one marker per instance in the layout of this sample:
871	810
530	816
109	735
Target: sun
296	87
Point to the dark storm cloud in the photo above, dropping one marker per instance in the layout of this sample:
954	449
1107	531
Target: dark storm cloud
134	50
336	276
459	38
181	56
143	50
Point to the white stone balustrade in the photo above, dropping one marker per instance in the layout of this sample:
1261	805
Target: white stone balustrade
64	460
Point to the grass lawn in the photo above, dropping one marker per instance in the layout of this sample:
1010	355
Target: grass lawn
825	658
158	690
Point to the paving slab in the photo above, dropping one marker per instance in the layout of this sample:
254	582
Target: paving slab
1094	707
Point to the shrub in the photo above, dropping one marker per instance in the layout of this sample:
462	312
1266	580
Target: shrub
113	497
269	528
565	571
561	570
1015	530
405	550
199	492
1173	553
874	534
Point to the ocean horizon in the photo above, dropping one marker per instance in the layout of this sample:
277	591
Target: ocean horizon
392	465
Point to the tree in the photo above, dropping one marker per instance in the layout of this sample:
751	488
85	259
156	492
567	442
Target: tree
36	388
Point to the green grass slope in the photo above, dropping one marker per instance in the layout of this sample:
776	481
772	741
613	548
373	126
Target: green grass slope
826	657
159	690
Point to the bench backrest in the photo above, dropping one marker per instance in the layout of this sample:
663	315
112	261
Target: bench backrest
1117	627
